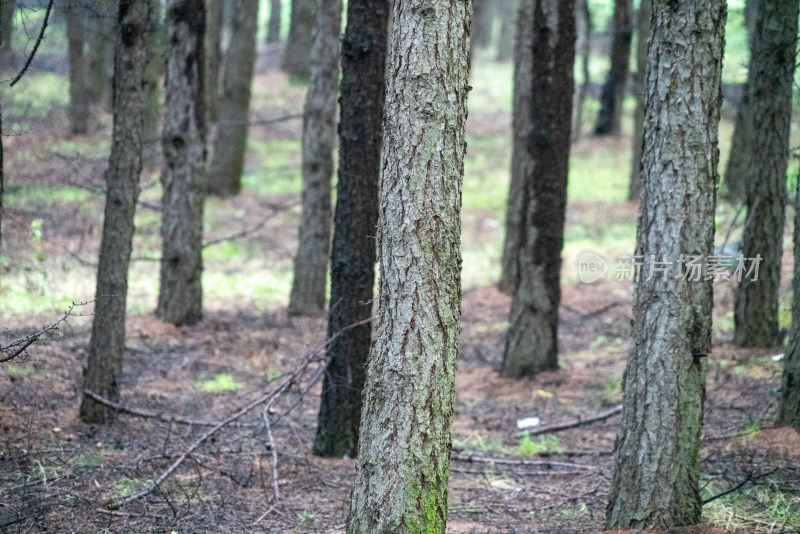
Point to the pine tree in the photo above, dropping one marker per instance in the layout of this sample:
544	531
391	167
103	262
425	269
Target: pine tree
107	344
319	136
610	116
765	153
353	255
532	339
404	449
657	453
183	139
227	158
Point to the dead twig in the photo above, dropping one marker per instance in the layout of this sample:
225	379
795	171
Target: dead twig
580	421
19	346
276	491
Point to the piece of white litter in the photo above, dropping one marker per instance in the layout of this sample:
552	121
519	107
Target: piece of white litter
528	422
777	357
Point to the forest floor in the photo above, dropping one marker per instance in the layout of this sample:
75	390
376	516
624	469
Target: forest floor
56	473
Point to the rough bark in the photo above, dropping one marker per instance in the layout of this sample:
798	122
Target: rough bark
643	27
610	116
227	158
274	24
155	66
532	338
354	253
789	413
404	450
100	17
482	24
213	44
766	152
584	45
521	162
319	135
183	140
297	56
508	22
657	461
107	344
78	96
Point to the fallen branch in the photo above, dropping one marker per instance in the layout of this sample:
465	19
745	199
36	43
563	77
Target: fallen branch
146	414
268	398
276	491
524	473
510	461
557	427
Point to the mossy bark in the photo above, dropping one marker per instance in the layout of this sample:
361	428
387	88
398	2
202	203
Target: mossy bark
227	158
319	136
107	343
532	338
363	89
656	456
183	140
404	450
766	153
521	163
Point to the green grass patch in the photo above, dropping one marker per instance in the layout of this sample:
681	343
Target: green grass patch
25	197
546	443
221	382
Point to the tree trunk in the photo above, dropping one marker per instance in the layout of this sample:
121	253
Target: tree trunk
101	16
107	344
213	44
155	66
482	24
78	97
657	461
508	23
736	170
521	162
789	413
532	339
227	158
643	23
274	24
584	18
319	136
183	139
297	56
766	152
613	96
404	450
353	255
6	29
